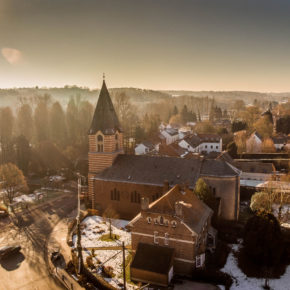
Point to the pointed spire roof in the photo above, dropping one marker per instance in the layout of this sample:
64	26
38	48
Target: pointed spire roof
105	118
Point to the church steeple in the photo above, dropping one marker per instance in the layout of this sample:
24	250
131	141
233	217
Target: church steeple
105	118
105	139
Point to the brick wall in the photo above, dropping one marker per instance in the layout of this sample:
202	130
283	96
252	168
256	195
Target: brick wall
180	238
98	161
125	207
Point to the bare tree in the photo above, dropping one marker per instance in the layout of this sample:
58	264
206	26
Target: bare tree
109	214
11	180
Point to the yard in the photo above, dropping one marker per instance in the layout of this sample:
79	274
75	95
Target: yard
104	254
242	282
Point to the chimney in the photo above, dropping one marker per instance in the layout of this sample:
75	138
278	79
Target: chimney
178	209
144	203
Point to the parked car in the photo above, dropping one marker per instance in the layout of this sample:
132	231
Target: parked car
7	251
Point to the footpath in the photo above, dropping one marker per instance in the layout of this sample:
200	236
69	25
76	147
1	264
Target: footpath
57	242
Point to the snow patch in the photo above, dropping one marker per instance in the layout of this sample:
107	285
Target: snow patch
242	282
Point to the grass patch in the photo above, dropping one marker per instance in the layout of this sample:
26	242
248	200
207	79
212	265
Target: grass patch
106	238
128	261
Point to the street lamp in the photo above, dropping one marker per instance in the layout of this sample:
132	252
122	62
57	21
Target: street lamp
79	246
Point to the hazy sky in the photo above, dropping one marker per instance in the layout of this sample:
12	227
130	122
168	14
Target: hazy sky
157	44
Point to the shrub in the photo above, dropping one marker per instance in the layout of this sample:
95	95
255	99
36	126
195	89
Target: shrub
92	212
263	240
214	277
261	201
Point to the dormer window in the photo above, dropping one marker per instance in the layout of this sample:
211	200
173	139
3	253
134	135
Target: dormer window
174	224
100	143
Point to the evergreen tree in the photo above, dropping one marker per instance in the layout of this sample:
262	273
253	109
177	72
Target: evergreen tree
85	117
22	153
232	149
238	126
175	110
140	134
6	130
25	122
73	130
41	120
263	241
57	125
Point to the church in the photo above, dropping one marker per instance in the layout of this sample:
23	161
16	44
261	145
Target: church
120	180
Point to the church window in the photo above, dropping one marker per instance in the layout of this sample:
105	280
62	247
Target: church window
174	224
100	143
155	221
135	197
115	194
161	220
149	220
166	223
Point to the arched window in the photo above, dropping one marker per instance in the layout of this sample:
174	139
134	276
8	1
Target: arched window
135	197
100	143
161	220
174	224
115	194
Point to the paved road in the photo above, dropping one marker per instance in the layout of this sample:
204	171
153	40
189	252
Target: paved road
28	270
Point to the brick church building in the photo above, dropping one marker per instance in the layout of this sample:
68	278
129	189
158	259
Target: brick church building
119	180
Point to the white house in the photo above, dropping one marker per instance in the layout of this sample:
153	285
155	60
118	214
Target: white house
183	132
202	143
144	148
171	135
254	143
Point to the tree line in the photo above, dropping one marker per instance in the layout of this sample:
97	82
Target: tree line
40	120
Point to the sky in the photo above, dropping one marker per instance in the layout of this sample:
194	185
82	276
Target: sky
153	44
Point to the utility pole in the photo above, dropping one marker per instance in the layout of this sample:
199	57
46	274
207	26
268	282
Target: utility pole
124	266
79	246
